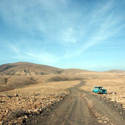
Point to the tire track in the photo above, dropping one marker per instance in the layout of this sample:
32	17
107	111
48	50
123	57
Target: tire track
81	108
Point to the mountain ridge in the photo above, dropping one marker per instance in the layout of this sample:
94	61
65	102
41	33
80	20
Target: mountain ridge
22	68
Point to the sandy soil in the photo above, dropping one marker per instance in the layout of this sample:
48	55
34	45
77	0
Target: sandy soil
80	108
21	104
113	82
31	100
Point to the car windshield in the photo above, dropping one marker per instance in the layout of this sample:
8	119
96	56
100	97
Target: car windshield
99	87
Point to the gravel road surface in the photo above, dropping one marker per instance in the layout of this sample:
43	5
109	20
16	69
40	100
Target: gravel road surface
80	108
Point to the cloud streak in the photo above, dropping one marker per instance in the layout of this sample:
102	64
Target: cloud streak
37	57
55	31
107	26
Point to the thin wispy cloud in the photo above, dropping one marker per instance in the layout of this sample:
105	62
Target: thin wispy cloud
14	49
41	56
46	58
107	26
69	36
57	31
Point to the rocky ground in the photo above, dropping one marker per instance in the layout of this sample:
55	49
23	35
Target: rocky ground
18	106
16	109
22	104
81	108
113	82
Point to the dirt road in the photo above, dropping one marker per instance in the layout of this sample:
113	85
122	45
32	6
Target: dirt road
81	108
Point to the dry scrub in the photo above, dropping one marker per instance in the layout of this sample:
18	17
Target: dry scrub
113	82
16	106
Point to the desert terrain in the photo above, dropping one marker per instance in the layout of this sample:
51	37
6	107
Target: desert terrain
45	95
113	81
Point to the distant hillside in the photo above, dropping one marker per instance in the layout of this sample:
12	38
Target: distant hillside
23	68
116	71
21	74
16	75
75	71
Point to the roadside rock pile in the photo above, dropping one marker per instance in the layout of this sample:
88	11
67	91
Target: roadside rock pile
18	109
113	104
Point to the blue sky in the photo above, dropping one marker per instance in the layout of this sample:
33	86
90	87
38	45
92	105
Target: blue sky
86	34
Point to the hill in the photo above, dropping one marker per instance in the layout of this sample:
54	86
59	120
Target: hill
75	71
24	68
21	74
116	71
16	75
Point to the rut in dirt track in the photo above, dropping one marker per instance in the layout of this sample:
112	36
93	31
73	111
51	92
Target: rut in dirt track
81	108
